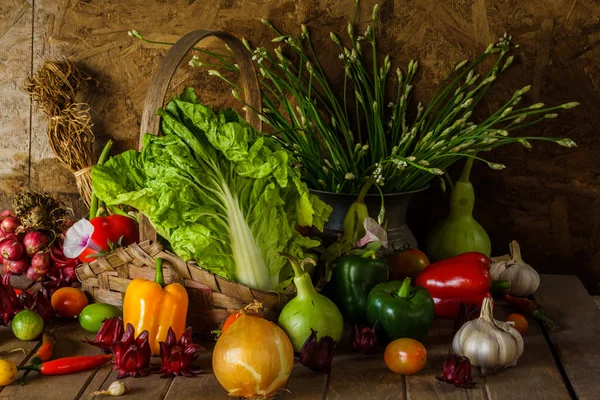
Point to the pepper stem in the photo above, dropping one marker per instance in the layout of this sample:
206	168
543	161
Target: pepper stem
541	316
158	276
404	290
499	286
295	265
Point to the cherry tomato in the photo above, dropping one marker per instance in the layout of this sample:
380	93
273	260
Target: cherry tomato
406	264
230	320
84	256
68	302
405	356
520	323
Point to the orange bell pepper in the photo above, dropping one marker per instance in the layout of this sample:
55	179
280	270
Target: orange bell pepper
154	307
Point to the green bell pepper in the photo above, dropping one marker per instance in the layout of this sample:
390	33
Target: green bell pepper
401	311
353	277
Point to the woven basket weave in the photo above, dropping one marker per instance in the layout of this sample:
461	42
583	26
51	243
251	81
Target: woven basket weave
212	298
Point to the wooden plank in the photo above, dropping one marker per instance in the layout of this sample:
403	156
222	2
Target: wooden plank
536	374
64	387
358	377
578	329
305	384
15	65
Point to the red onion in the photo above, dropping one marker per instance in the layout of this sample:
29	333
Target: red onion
41	262
35	242
10	224
17	267
6	213
7	236
34	276
11	250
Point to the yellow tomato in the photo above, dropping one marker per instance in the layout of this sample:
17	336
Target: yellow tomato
8	372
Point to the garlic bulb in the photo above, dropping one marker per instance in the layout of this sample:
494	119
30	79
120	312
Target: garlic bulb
487	342
523	279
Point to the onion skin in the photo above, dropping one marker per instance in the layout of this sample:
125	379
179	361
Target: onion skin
253	345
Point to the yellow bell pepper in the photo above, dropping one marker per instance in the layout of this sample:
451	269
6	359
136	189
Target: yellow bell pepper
154	307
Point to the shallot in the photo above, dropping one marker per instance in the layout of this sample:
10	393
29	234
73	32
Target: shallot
11	250
41	262
33	276
10	224
17	267
35	241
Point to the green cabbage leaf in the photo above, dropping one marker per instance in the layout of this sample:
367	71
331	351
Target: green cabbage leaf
222	193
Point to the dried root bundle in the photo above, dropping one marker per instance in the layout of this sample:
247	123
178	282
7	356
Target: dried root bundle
54	88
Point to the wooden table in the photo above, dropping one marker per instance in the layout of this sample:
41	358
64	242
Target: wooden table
562	364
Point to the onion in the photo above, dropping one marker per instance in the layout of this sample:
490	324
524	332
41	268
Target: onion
35	241
41	262
253	358
10	224
17	267
11	250
6	213
34	276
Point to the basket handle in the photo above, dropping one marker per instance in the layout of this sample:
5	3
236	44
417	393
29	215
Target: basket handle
157	92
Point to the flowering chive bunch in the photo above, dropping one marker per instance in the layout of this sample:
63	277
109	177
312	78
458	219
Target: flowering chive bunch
341	144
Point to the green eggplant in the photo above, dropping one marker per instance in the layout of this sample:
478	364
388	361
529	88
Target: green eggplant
459	232
309	310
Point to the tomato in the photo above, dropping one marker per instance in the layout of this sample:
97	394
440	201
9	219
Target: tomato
27	325
406	264
8	372
405	356
520	323
69	302
92	316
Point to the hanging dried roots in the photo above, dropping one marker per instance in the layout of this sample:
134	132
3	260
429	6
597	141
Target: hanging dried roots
54	88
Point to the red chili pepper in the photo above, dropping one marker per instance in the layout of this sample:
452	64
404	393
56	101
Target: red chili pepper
461	279
69	365
530	308
44	353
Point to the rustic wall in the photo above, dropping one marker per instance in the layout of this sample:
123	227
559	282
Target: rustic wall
547	198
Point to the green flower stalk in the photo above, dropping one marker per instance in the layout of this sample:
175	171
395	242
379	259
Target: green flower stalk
363	134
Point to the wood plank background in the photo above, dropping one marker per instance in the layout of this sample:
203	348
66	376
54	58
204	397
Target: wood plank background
547	198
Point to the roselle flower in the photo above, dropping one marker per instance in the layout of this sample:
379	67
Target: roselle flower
457	371
317	355
177	357
132	355
363	340
9	301
109	334
40	303
466	313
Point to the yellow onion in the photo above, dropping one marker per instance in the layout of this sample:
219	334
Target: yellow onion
253	358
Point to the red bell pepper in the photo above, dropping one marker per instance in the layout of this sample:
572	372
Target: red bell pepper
111	229
461	279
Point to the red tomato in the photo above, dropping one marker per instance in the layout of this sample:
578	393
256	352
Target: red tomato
519	323
406	264
405	356
68	302
230	320
112	228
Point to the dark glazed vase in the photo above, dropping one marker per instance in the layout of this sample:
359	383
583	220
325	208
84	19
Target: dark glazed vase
400	237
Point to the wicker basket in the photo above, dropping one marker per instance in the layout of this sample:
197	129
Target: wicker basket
212	298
